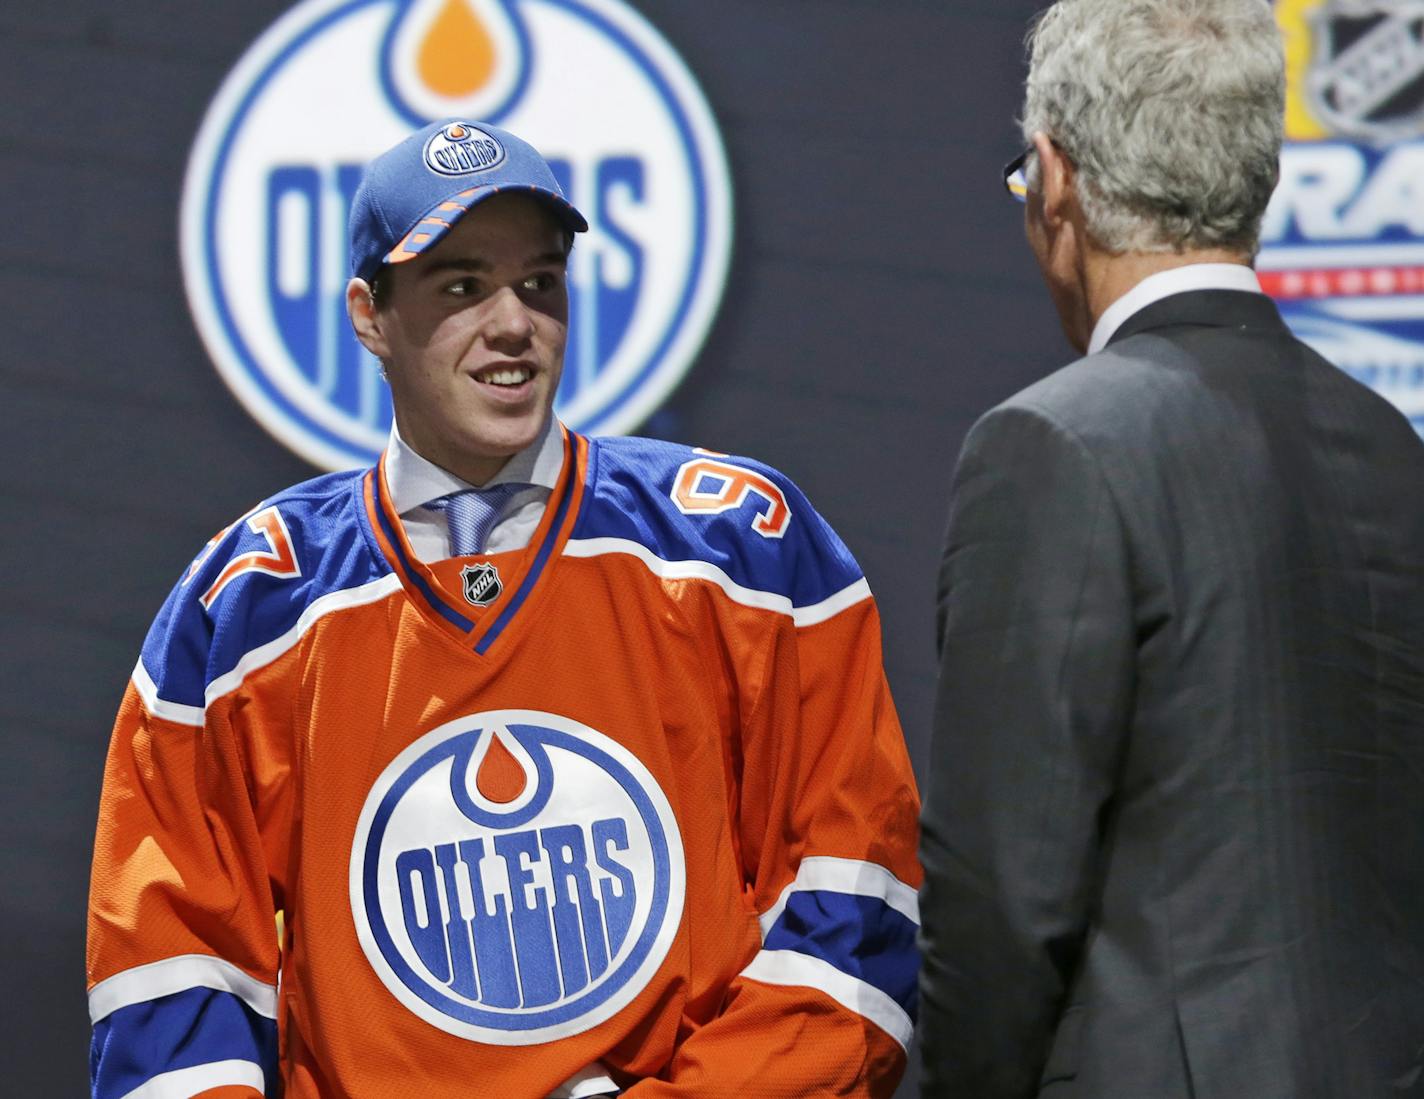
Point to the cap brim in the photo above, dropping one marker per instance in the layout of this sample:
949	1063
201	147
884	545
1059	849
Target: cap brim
441	217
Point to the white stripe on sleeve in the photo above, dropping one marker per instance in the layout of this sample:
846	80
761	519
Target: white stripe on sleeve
160	707
186	1082
827	609
852	876
149	982
787	967
810	615
261	656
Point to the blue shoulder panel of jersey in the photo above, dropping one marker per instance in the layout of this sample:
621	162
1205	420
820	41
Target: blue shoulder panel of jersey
633	490
209	623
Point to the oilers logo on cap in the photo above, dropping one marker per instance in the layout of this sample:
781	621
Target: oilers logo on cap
516	877
458	150
334	83
1343	240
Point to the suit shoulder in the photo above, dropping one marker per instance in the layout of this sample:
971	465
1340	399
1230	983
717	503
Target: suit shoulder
255	579
1096	386
1208	383
736	514
1127	397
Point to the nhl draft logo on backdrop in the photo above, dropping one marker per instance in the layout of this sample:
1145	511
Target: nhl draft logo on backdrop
516	877
334	83
1343	241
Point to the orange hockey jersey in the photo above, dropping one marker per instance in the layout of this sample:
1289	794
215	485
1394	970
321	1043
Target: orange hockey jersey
634	796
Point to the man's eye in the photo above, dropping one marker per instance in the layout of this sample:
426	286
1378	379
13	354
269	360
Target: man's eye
463	288
541	282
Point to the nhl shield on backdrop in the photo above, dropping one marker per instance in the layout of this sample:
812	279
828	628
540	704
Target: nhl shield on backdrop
332	84
1366	78
1343	242
516	877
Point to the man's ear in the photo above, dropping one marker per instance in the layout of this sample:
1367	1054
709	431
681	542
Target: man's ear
366	318
1057	179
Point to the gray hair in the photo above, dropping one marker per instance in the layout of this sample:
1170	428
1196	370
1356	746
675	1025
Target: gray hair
1172	111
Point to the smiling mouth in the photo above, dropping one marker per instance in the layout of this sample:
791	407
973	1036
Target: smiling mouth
505	376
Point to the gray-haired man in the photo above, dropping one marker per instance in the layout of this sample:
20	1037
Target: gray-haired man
1174	833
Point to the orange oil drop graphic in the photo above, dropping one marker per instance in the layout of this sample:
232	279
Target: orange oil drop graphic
456	57
500	778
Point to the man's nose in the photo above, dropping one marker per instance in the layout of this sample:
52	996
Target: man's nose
507	317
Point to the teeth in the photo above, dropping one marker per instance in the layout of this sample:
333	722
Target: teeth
515	376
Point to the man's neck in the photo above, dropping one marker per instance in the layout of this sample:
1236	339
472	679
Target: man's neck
1108	277
414	478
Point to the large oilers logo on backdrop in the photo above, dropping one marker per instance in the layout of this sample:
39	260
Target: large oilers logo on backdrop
1343	243
335	82
516	877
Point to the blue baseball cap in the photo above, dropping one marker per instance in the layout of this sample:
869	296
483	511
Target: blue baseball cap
413	193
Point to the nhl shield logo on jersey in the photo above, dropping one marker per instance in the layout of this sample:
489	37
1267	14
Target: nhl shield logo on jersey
1343	240
482	584
335	82
516	877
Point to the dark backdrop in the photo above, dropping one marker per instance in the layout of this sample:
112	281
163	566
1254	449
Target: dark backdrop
880	298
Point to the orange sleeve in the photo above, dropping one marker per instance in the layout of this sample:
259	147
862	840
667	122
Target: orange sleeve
828	828
182	952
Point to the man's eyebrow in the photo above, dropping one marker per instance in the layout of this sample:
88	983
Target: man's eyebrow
475	265
459	263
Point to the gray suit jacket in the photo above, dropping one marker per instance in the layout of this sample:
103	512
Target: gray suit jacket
1174	823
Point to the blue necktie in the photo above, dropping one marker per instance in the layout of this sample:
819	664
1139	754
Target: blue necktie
471	514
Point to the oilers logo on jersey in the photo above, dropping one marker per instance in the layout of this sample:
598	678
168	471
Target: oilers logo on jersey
516	877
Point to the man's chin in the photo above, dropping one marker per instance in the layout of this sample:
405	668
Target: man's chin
507	441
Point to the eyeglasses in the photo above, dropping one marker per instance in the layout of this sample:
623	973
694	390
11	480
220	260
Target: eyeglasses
1015	180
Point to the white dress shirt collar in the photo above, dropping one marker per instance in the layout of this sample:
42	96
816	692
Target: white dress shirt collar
1177	280
413	480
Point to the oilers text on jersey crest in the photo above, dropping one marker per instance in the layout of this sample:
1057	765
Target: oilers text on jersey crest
1343	241
334	82
516	877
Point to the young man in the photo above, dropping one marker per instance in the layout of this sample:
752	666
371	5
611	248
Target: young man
569	763
1171	835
